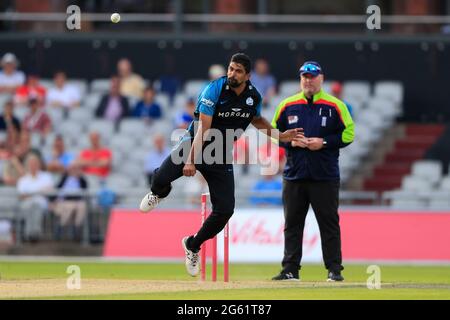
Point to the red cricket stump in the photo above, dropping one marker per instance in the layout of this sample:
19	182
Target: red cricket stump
204	215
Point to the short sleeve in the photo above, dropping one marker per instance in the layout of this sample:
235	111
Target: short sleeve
207	100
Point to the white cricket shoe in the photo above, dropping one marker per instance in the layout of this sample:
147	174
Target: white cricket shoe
149	202
192	259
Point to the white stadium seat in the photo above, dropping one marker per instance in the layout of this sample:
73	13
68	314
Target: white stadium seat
100	85
430	170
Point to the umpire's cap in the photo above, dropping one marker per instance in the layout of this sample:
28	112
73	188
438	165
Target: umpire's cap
311	67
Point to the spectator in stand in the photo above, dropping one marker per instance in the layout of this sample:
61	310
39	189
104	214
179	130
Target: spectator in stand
12	168
263	81
33	205
24	148
336	90
31	90
147	108
60	159
10	77
63	95
37	120
11	125
70	202
268	183
131	84
113	106
185	117
96	160
155	157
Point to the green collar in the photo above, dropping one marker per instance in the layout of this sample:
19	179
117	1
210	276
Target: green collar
319	95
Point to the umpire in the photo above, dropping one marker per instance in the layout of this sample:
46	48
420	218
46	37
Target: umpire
311	175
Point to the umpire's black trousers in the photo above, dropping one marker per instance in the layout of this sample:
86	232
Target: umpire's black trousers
324	199
220	179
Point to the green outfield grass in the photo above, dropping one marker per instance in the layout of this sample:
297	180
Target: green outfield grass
248	281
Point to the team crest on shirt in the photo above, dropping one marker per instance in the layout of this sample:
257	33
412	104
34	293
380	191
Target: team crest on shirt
249	101
292	119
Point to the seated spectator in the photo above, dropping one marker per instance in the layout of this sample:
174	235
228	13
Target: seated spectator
12	168
184	118
37	120
263	80
336	90
155	157
113	106
96	160
131	84
63	95
30	90
10	77
33	205
70	203
147	108
60	159
24	148
268	183
10	124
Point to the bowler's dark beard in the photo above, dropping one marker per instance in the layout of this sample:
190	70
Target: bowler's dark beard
233	82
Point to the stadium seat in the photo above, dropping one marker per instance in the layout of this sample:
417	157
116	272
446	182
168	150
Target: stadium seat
100	85
430	170
92	100
81	114
413	183
117	182
356	90
392	90
72	129
123	143
138	156
164	101
445	184
130	170
81	84
372	119
133	127
409	204
46	83
3	99
93	182
387	108
194	87
104	127
56	115
21	112
288	88
179	101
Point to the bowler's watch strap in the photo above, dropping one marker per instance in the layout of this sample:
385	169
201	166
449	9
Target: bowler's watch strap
324	143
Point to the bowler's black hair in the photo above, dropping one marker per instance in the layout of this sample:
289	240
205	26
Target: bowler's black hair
243	59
